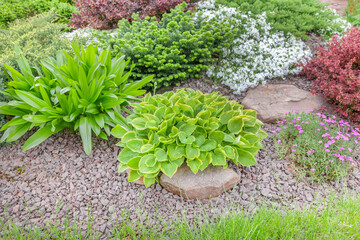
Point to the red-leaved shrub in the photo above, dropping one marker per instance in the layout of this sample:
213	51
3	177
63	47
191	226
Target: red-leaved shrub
105	14
336	73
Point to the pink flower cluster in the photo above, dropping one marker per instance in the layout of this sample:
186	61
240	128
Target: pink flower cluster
329	141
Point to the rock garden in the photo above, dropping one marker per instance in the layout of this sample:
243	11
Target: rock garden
151	119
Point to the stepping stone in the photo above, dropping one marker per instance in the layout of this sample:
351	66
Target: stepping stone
272	102
211	182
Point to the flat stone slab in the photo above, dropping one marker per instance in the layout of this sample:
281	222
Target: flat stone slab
272	102
211	182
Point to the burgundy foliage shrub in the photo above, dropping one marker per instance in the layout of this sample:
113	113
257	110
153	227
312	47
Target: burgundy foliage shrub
105	14
336	73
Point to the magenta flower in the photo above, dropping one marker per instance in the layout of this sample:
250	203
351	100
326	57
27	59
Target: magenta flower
279	141
312	170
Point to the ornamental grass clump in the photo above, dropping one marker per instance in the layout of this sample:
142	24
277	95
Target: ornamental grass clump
188	127
84	92
322	147
336	73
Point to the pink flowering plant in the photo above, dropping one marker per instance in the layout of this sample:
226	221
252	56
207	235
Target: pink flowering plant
322	147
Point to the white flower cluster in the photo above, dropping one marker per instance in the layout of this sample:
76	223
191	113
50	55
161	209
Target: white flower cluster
85	34
340	21
256	54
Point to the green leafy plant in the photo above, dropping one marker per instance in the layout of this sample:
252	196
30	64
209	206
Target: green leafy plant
12	10
322	147
175	48
85	92
187	126
38	38
297	17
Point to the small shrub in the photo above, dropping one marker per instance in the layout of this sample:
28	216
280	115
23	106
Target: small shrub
175	48
38	38
105	14
187	126
84	92
295	17
336	73
322	147
20	9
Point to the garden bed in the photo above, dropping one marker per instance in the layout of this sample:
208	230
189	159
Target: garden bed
57	179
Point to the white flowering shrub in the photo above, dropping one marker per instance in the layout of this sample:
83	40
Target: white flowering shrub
256	54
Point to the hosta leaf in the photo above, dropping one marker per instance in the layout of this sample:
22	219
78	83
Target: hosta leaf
146	148
169	168
148	170
128	136
194	165
208	145
134	175
188	111
206	162
188	129
174	132
150	161
224	119
229	138
161	155
236	124
172	153
134	163
149	181
204	114
218	158
135	145
229	152
251	138
192	152
245	158
218	136
139	123
118	131
122	167
262	134
126	154
179	161
199	139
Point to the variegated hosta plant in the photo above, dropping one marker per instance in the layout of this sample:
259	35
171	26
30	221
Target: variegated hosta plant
187	126
84	91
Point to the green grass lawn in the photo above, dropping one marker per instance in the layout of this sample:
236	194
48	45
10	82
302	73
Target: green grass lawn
340	219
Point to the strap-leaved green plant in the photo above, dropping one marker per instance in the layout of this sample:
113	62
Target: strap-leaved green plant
85	92
187	126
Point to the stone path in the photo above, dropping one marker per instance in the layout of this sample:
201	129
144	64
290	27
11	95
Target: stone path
338	5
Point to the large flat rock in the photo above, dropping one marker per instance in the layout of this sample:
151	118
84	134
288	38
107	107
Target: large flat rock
211	182
272	102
